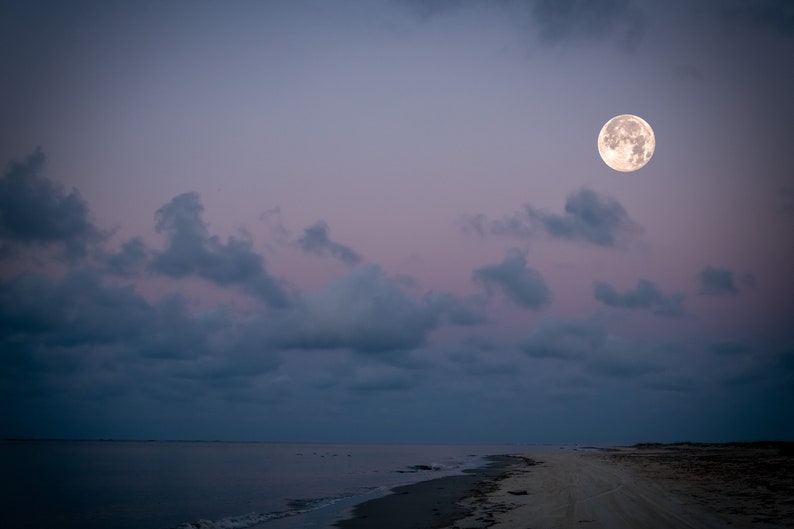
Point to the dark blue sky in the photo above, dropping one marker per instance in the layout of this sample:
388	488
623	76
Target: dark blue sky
388	221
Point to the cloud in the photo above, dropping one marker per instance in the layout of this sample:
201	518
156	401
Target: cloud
367	312
129	260
715	281
191	251
784	362
76	310
36	210
521	284
430	8
588	217
383	378
456	310
272	218
588	345
770	365
573	20
730	347
77	339
774	15
557	21
646	295
77	336
785	198
673	383
563	339
315	240
482	356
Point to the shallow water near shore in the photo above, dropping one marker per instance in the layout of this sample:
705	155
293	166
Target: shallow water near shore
161	485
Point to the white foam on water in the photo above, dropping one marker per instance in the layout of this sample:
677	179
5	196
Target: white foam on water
298	507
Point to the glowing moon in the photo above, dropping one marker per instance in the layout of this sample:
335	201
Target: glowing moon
626	143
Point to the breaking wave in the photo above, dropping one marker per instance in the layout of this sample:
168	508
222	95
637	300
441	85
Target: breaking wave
245	521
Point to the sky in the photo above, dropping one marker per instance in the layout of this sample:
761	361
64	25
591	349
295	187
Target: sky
387	221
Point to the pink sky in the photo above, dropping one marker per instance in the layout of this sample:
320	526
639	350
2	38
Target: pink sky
396	124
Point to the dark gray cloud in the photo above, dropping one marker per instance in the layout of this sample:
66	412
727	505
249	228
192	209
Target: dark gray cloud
785	198
367	312
191	251
715	281
383	378
730	347
555	22
673	383
316	240
36	210
481	355
784	367
573	20
588	345
75	310
773	15
129	260
588	217
646	295
430	8
564	339
770	366
521	284
458	311
79	337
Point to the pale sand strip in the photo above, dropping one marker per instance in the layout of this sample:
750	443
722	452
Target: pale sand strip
587	490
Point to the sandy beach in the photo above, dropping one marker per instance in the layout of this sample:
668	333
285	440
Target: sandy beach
645	487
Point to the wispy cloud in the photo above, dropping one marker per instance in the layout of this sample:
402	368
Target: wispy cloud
646	295
192	251
383	378
483	356
316	240
588	345
730	347
563	339
588	217
772	15
718	281
557	22
576	20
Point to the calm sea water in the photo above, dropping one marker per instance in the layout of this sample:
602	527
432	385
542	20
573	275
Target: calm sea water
161	485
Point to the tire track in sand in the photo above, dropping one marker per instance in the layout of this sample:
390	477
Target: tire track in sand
575	490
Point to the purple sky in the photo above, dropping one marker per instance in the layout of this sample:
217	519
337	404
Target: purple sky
388	221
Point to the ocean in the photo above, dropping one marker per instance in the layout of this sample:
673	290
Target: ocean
211	485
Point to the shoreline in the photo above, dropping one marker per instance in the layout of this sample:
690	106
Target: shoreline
434	503
652	486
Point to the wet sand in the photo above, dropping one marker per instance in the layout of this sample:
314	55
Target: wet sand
646	487
431	504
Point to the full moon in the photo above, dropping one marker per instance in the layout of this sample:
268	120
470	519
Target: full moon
626	143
